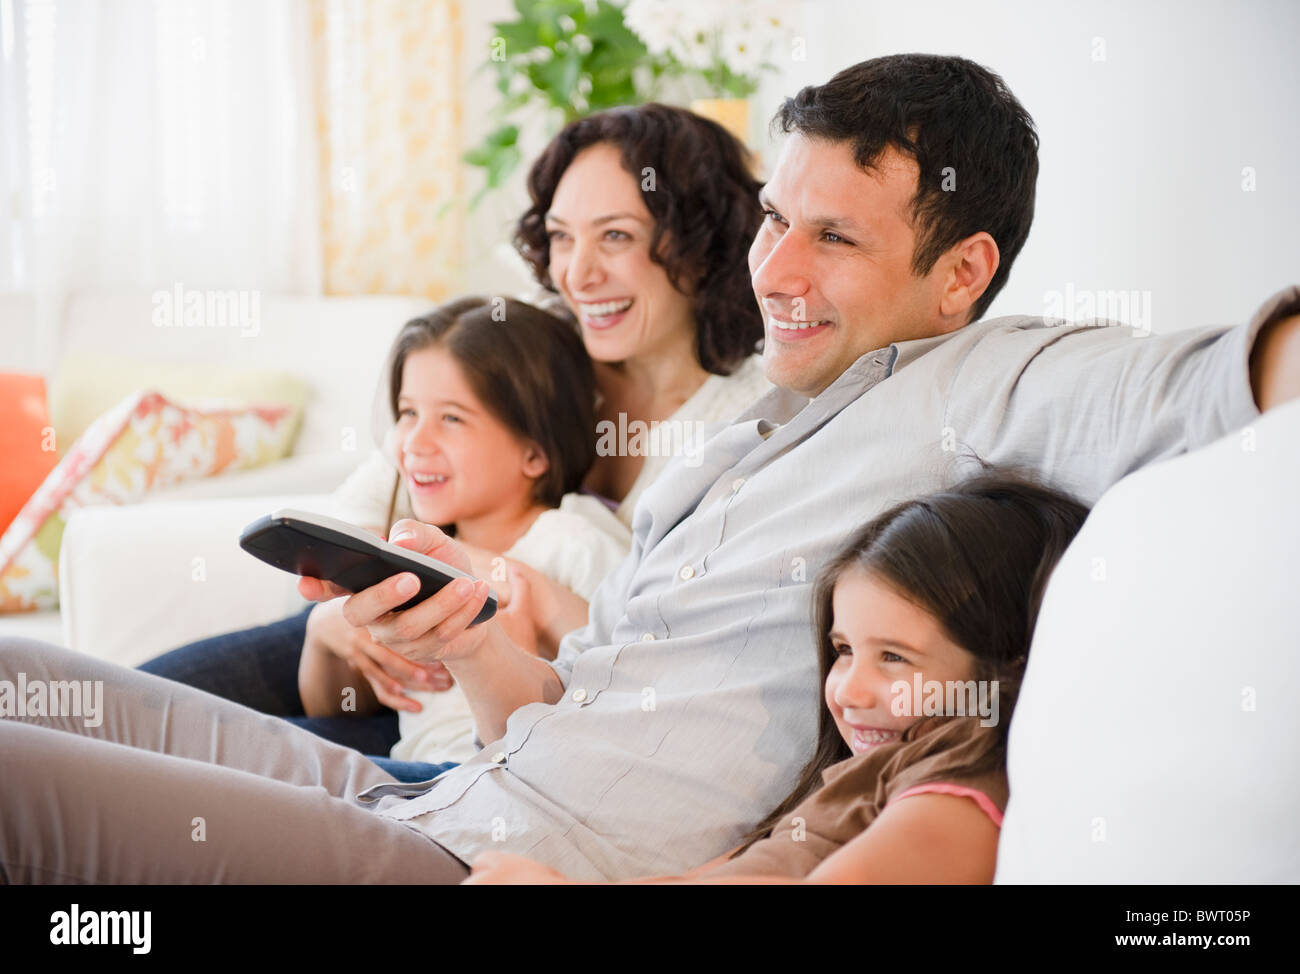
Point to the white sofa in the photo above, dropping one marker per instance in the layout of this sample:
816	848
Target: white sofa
1157	738
141	579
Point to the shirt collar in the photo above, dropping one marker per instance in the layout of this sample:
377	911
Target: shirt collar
911	350
892	357
780	405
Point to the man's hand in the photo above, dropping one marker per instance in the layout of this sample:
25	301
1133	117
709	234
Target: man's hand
1275	363
497	676
436	629
503	868
535	611
329	634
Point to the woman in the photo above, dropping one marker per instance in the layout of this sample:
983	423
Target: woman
641	219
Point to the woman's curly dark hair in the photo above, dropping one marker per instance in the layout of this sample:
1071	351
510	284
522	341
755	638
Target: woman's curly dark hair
705	206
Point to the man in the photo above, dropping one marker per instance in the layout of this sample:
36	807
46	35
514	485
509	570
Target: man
685	709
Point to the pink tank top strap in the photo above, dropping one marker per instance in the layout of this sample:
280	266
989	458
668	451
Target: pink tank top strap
962	791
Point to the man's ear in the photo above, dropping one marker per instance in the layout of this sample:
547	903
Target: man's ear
535	461
972	264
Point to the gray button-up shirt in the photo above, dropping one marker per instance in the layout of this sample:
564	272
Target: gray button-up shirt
691	697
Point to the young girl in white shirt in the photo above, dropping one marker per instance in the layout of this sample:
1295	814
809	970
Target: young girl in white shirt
493	409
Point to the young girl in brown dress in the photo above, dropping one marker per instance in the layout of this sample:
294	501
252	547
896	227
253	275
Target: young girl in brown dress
924	622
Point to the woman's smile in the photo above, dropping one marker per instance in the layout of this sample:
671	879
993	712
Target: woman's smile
600	315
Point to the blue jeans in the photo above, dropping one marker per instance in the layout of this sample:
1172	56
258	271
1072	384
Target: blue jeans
411	770
258	668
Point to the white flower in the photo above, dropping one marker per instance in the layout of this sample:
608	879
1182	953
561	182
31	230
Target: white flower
699	33
656	22
752	34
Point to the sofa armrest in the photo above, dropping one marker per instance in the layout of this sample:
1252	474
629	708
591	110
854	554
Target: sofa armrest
139	580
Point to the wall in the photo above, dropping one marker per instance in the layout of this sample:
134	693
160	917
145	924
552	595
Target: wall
1142	153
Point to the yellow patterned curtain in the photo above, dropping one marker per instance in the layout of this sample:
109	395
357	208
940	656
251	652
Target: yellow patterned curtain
388	96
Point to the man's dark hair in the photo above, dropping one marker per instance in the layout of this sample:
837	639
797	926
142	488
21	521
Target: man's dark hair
943	112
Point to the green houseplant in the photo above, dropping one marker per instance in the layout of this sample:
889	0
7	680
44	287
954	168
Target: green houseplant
566	58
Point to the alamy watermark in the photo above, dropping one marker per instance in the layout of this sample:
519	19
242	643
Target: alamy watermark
75	926
637	438
1098	309
53	698
950	698
183	307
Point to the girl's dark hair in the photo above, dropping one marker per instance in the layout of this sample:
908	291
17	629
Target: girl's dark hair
527	367
704	200
977	557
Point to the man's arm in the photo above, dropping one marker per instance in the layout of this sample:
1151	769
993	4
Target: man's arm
1275	363
477	674
499	678
1085	406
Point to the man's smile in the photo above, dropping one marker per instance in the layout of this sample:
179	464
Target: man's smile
785	328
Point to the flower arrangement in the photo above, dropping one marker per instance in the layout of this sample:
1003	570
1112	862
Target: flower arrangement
567	58
727	43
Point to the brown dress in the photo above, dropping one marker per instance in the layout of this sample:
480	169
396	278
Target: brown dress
937	756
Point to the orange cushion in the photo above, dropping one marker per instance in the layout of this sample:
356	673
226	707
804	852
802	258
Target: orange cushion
26	442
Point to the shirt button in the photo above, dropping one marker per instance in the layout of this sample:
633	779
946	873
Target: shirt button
737	484
686	572
647	637
499	757
579	695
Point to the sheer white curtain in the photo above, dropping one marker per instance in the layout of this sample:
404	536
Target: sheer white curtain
148	143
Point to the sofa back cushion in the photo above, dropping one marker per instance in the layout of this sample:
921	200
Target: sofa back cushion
336	345
86	386
1157	736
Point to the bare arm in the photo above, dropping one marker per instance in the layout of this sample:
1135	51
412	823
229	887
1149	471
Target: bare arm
926	838
323	674
554	609
500	678
923	839
504	868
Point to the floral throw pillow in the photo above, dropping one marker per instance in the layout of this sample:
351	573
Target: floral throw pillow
143	443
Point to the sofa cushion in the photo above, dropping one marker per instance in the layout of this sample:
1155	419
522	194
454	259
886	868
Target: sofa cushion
26	443
86	386
336	345
143	443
